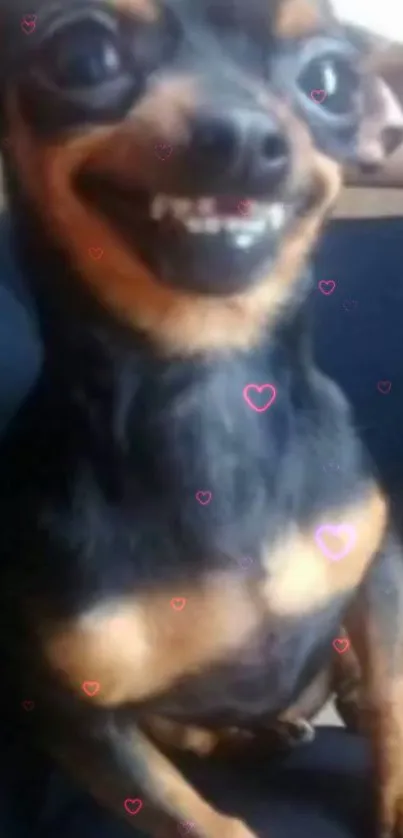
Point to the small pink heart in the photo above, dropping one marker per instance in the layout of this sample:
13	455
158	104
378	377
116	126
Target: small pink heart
342	532
244	207
91	687
163	151
204	497
341	644
95	252
384	387
245	562
318	96
28	24
28	705
133	806
259	388
185	827
178	603
327	286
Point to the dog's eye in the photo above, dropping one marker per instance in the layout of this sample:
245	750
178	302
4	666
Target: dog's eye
82	56
332	82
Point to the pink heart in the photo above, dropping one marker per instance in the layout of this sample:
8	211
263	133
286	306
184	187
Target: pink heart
178	603
28	705
318	96
384	387
91	687
340	531
341	644
133	806
185	827
245	562
163	151
28	24
204	497
244	207
95	252
327	286
260	388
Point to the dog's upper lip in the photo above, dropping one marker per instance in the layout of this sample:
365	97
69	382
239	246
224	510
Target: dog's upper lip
181	206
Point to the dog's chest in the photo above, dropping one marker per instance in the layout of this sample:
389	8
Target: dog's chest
221	575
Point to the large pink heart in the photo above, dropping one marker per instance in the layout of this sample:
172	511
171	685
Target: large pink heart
343	532
327	286
259	389
203	497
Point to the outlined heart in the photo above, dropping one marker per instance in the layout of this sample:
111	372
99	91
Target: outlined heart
178	603
327	286
185	827
95	252
163	151
318	96
133	805
245	562
384	387
28	24
28	705
91	687
244	207
203	497
341	644
342	532
259	389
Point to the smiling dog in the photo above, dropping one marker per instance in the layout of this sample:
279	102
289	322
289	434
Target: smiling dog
169	170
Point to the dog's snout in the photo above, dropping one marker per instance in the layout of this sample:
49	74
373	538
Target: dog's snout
244	149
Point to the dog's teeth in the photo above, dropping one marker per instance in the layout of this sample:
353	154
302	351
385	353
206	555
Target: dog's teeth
234	225
200	216
181	207
206	206
195	225
159	207
276	216
211	225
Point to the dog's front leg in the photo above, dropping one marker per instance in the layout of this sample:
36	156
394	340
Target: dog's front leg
125	772
375	625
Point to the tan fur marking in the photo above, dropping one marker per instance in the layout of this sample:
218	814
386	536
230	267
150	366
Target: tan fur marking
138	646
145	9
298	19
306	578
177	321
382	695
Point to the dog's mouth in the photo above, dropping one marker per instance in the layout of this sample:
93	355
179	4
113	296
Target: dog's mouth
210	244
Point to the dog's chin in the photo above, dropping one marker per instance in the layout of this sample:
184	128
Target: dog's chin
209	245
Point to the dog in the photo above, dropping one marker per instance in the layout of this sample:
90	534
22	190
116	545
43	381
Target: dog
169	167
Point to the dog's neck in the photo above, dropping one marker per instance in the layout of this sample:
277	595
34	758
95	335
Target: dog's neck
108	370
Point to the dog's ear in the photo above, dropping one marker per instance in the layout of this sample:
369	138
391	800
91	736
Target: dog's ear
381	128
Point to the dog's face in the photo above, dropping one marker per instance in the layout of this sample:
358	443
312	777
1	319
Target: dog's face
183	153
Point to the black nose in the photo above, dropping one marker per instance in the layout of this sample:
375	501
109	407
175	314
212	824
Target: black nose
242	151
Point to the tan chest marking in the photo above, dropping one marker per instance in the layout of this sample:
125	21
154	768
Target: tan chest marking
139	645
301	573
